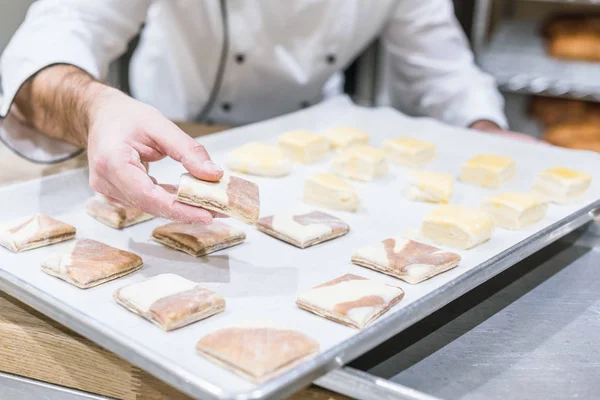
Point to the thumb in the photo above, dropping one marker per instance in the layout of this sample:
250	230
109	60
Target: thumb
182	148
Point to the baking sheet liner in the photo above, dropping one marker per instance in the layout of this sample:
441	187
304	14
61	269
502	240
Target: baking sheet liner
260	278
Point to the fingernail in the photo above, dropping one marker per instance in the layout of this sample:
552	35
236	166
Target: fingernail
211	166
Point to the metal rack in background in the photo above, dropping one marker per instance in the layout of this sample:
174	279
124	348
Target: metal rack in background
516	56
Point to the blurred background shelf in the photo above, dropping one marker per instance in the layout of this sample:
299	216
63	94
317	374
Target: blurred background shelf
517	57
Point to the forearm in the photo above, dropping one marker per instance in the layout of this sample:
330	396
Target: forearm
57	102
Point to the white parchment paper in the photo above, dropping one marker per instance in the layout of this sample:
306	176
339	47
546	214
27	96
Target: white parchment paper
260	278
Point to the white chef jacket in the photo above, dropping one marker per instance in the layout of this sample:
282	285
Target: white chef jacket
282	56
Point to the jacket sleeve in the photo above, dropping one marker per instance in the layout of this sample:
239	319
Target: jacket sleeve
86	34
432	66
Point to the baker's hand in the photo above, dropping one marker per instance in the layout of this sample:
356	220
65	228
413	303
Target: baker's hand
123	133
490	127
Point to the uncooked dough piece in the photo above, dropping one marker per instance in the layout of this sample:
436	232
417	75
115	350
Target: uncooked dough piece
33	232
260	159
361	162
113	213
232	196
408	260
343	137
562	185
257	351
170	301
350	300
408	151
87	263
488	170
198	240
458	226
304	146
429	186
303	230
515	210
331	191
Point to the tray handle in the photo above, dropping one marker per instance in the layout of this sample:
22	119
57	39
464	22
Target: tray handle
364	386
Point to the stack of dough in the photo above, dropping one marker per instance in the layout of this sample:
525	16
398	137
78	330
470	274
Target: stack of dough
407	151
488	170
458	226
260	159
360	162
515	210
304	146
344	137
432	187
562	185
331	191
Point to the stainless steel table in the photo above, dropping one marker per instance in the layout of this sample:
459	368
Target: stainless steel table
530	333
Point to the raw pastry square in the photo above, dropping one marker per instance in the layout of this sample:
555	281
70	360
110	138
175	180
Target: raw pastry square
87	263
330	191
488	170
562	185
232	196
361	162
33	232
113	213
304	146
257	351
170	301
458	226
198	240
303	230
515	210
350	300
408	151
343	137
429	186
408	260
260	159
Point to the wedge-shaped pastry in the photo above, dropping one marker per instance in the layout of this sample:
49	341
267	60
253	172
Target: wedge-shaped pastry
33	232
458	226
87	263
361	162
113	213
429	186
350	300
304	146
408	151
232	196
257	351
260	159
343	136
515	210
331	191
170	301
408	260
303	230
488	170
198	240
562	185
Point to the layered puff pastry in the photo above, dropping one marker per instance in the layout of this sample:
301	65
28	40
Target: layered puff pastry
457	226
113	213
32	232
360	162
404	259
170	301
350	300
488	170
257	350
429	186
330	191
198	240
562	185
515	210
408	151
303	230
304	146
343	137
260	159
87	263
231	196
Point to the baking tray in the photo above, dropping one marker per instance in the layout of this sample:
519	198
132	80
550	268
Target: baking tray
517	57
260	279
